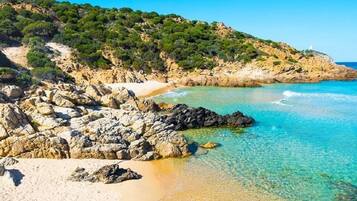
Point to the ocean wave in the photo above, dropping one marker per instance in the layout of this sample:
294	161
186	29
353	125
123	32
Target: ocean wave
333	96
281	102
173	94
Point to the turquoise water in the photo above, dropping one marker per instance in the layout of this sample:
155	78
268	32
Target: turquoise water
303	146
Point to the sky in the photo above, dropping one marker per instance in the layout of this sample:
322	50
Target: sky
329	26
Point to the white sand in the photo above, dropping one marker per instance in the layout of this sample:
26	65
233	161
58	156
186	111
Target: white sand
144	89
17	55
163	180
46	180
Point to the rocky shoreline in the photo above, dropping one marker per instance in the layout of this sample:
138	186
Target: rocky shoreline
69	121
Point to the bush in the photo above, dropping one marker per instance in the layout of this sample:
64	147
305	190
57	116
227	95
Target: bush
7	74
276	63
24	79
37	59
40	28
48	73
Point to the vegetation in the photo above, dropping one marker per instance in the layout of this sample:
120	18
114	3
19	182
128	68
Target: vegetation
276	63
136	38
43	67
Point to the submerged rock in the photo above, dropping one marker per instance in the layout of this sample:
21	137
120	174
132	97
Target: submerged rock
209	145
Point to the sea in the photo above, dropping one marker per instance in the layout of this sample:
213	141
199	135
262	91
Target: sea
303	146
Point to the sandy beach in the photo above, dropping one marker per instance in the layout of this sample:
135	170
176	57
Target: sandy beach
45	179
145	89
163	180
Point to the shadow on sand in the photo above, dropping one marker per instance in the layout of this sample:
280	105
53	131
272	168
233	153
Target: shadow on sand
16	176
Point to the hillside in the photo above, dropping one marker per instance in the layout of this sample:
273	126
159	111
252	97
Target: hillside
92	45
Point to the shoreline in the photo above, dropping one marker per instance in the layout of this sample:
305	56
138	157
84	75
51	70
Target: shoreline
145	89
163	180
152	88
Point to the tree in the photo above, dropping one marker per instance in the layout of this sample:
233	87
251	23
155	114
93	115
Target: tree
40	28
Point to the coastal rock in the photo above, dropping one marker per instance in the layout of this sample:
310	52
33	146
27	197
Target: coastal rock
209	145
38	145
8	161
237	119
2	170
12	91
114	174
3	98
13	121
68	122
81	175
45	108
108	174
184	117
167	150
62	101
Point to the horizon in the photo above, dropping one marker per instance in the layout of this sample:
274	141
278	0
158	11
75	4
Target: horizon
288	24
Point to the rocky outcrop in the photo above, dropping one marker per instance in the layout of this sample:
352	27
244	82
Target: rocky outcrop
8	161
11	91
13	122
184	117
69	121
2	170
108	174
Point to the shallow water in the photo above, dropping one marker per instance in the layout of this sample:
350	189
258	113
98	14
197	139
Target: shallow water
303	146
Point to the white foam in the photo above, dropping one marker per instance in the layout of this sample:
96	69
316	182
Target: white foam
332	96
173	94
281	102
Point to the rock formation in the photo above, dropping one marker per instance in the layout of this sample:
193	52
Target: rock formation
94	121
108	174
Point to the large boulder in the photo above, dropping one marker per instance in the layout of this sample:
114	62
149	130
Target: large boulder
184	117
114	174
8	161
45	108
13	121
108	174
2	170
12	91
38	145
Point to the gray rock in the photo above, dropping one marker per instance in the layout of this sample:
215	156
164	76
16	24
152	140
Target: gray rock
8	161
2	170
107	174
81	175
12	91
61	101
45	108
123	154
114	174
14	121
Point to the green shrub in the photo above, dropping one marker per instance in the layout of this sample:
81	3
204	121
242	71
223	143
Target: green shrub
276	63
290	59
7	73
24	79
48	73
40	28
